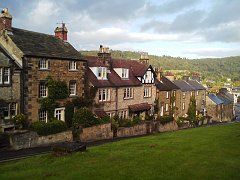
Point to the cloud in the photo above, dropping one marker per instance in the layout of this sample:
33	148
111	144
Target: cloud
213	52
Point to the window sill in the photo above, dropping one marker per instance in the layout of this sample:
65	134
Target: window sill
72	95
73	70
128	98
44	69
147	96
5	85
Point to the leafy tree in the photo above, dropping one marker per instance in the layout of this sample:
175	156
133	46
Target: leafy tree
192	109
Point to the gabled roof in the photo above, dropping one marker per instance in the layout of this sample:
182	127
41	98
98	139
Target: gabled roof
113	79
169	83
215	99
225	100
183	85
43	45
196	85
161	86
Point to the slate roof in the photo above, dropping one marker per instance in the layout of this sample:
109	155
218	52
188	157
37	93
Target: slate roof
183	85
43	45
215	99
225	100
161	86
113	79
196	85
169	83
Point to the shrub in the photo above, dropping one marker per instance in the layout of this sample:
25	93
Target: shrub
20	119
182	120
104	120
85	118
149	118
52	127
69	111
165	119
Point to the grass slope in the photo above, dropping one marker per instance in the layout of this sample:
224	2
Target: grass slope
200	153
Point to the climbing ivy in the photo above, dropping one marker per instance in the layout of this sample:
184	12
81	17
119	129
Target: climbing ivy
192	109
57	89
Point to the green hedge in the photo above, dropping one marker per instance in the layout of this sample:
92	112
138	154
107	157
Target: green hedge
52	127
165	119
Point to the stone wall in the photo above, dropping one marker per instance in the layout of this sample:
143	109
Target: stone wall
29	139
171	126
136	130
100	132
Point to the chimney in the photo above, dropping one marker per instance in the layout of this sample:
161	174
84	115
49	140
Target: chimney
159	73
185	78
104	55
6	20
61	32
196	77
170	76
144	58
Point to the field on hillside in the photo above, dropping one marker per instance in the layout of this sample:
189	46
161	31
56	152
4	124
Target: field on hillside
199	153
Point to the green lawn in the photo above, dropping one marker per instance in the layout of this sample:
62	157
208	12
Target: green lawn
200	153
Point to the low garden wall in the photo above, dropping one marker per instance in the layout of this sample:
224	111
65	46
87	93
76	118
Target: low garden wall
99	132
29	139
171	126
136	130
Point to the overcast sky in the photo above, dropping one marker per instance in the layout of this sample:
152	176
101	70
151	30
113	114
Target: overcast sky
185	28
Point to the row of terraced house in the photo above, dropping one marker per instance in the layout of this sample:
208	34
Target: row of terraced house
123	87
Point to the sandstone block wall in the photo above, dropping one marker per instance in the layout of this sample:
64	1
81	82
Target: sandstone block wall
140	129
100	132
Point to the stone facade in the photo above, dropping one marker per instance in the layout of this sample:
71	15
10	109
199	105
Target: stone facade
171	126
182	102
200	96
58	70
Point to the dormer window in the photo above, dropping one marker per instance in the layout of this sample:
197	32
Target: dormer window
43	63
72	65
102	73
125	73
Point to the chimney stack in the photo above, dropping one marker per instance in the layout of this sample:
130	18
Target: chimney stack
159	73
170	75
144	58
185	78
104	55
61	32
6	20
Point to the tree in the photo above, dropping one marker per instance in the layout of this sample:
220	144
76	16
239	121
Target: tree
192	109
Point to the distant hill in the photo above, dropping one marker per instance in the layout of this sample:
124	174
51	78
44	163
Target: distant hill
216	69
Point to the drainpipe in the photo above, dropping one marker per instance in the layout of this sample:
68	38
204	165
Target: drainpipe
116	100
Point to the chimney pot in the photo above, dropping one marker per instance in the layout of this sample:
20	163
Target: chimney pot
61	32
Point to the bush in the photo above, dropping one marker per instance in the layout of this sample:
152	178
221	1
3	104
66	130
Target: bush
85	118
69	111
136	120
182	120
105	120
52	127
165	119
149	118
20	119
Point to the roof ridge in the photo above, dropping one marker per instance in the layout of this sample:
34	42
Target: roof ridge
33	32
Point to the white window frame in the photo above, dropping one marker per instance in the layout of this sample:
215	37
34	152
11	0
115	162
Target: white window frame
125	73
43	115
43	90
73	88
104	95
60	115
197	93
43	63
183	106
6	74
128	93
102	73
184	95
73	65
14	109
167	95
147	92
166	107
1	75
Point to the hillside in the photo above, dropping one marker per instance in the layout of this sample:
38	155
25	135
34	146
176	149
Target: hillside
217	69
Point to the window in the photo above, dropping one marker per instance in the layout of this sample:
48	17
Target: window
128	93
72	65
147	92
42	89
174	93
167	95
6	112
1	76
166	107
183	106
191	93
14	109
4	75
60	114
125	73
10	110
43	63
43	115
174	104
197	93
102	73
72	88
122	114
104	94
184	95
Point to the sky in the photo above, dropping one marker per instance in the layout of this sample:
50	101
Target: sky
178	28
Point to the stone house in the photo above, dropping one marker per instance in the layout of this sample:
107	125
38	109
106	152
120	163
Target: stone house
183	97
123	87
39	56
166	95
